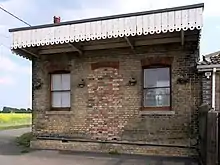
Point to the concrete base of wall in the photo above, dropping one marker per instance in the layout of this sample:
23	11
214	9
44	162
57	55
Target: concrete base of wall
116	148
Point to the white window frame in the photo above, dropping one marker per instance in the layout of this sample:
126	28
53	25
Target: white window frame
60	84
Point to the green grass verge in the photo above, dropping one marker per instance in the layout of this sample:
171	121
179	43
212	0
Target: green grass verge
14	127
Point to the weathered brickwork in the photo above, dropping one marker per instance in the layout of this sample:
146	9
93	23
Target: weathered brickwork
108	108
217	92
120	148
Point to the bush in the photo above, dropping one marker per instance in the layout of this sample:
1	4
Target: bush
24	140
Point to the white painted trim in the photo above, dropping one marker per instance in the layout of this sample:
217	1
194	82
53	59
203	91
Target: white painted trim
208	70
185	19
213	88
202	68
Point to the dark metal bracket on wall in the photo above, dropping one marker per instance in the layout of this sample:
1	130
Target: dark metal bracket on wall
132	81
182	79
37	84
82	83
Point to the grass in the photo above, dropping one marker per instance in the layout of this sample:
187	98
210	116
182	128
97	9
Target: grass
24	142
15	120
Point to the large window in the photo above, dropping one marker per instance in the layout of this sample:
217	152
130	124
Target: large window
60	91
156	88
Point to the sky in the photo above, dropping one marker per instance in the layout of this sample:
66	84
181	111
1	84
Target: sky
15	71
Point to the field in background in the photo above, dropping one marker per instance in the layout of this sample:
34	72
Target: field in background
15	120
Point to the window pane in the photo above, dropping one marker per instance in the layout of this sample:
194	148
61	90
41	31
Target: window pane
56	99
65	81
65	99
156	77
157	97
56	82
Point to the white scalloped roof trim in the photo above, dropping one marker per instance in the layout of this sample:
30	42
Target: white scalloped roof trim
112	28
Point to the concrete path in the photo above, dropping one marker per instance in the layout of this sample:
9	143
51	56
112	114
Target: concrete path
7	144
11	154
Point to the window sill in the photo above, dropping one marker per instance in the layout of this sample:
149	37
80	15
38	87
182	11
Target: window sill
165	108
59	112
157	112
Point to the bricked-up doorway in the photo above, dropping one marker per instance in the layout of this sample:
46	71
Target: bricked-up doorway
104	102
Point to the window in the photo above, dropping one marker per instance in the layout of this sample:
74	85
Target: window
157	88
60	90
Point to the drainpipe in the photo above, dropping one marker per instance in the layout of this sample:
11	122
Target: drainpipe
213	88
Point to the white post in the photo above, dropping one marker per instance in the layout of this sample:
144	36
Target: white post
213	88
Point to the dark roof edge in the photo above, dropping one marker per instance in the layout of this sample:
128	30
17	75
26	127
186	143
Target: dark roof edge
212	54
111	17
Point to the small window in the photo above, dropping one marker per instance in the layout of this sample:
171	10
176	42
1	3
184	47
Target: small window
157	89
60	90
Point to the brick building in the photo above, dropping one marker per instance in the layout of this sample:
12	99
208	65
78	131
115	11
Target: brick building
125	83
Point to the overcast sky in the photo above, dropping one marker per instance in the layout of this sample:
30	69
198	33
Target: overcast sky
15	72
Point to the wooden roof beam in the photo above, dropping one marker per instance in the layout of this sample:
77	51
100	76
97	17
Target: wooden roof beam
130	43
75	48
29	52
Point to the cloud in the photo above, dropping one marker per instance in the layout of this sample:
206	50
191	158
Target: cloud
7	65
7	80
126	6
211	8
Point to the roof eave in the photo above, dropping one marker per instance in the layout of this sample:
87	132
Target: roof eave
202	68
